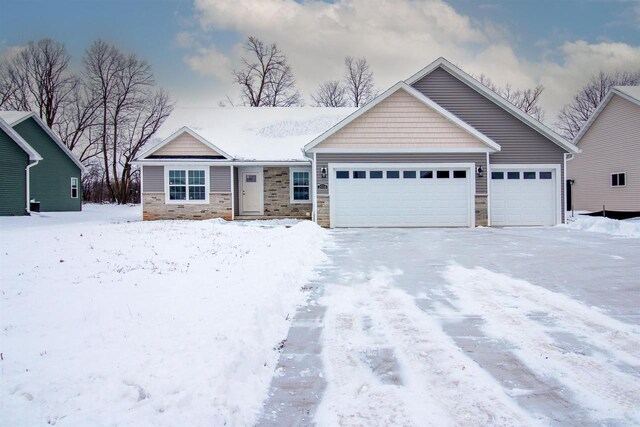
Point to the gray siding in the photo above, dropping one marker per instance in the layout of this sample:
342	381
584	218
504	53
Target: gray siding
236	198
480	159
13	162
220	179
153	179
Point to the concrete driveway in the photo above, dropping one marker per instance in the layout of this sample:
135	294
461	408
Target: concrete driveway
466	327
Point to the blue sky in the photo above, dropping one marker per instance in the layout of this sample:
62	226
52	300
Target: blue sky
194	44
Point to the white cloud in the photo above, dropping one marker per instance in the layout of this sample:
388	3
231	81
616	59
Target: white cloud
398	38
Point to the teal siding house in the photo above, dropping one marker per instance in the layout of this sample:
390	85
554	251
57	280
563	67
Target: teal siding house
35	166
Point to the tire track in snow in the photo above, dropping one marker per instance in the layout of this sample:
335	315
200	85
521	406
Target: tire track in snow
505	304
441	385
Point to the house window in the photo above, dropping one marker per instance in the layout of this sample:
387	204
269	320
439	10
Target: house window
300	185
74	188
187	185
619	179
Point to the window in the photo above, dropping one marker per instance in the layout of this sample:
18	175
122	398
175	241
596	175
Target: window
426	174
408	174
359	174
545	175
442	174
513	175
497	175
459	174
188	185
300	185
74	188
393	174
619	179
342	174
529	175
375	174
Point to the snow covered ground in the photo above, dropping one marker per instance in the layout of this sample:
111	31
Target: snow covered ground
624	228
107	320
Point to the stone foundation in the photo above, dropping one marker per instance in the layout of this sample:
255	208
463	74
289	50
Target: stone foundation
277	195
323	211
482	211
155	208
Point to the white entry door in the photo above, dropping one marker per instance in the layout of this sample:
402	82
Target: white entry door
401	196
251	187
524	196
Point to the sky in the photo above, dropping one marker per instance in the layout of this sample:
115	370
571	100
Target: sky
193	45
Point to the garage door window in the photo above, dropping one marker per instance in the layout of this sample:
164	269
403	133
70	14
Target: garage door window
359	174
497	175
409	174
513	175
375	174
459	174
393	174
342	174
426	174
529	175
545	175
442	174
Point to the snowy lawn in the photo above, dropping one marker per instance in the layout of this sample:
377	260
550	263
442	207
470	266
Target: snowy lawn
107	320
626	228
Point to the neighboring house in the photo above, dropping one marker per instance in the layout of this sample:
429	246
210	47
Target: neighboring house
606	174
438	149
52	177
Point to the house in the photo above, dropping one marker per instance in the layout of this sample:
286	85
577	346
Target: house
35	165
606	174
438	149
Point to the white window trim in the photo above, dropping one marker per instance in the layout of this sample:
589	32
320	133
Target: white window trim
291	199
77	187
618	173
186	168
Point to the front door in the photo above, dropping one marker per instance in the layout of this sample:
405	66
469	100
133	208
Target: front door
251	189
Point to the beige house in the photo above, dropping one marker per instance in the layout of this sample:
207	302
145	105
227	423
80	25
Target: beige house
606	174
436	150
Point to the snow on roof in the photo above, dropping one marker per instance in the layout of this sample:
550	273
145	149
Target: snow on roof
632	91
12	116
250	133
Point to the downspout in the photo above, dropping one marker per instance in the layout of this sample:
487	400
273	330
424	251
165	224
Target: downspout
567	156
488	190
27	172
314	195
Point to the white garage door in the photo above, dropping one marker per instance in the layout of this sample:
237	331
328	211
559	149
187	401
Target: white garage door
420	196
523	196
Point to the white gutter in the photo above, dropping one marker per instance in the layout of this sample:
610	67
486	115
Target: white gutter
27	173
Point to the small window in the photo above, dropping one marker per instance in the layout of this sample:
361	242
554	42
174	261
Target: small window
619	179
545	175
459	174
408	174
187	185
528	175
375	174
426	174
250	178
393	174
442	174
300	183
513	175
74	188
497	175
359	174
342	174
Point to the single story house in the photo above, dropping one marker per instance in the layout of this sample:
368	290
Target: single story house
36	166
438	149
606	174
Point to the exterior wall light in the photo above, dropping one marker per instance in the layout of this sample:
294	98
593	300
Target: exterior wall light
479	171
323	173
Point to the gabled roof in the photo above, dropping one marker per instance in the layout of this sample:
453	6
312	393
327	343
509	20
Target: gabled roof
492	145
13	118
184	129
497	99
630	93
33	154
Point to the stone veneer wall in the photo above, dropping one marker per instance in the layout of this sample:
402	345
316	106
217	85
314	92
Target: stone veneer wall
482	211
277	196
323	213
154	208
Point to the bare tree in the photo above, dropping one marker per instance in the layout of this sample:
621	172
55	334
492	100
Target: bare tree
331	93
575	114
130	111
358	80
77	125
266	79
526	100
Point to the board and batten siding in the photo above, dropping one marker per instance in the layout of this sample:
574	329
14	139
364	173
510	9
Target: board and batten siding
480	159
185	145
610	145
219	179
13	162
519	142
402	121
